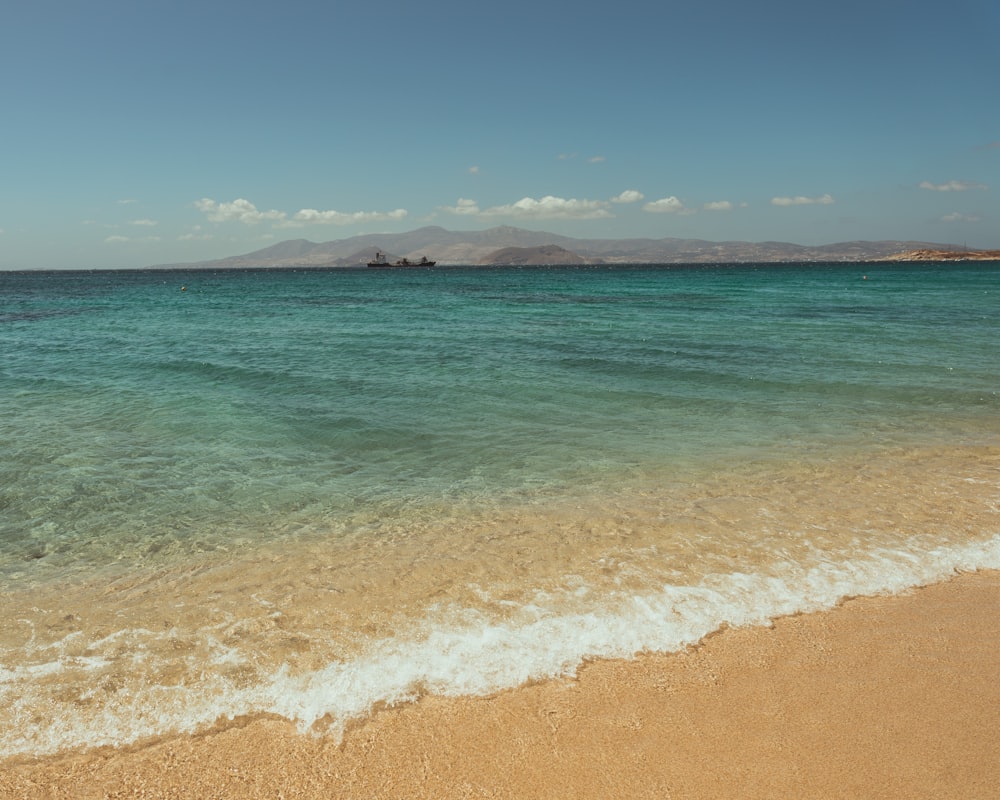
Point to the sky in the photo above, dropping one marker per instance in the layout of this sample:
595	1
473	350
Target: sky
143	132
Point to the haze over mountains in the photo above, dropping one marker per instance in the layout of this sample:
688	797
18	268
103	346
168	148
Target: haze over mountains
509	245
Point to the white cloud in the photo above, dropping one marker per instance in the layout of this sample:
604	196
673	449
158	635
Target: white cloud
719	205
147	223
665	205
464	207
239	210
474	170
116	239
571	156
127	202
310	216
822	200
957	217
548	207
629	196
952	186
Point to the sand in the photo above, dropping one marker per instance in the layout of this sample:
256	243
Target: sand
886	697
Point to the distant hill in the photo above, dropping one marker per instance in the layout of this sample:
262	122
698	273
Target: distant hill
548	254
482	247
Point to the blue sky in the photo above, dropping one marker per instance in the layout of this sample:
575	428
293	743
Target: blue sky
140	132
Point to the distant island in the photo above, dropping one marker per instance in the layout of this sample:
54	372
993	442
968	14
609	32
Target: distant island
507	245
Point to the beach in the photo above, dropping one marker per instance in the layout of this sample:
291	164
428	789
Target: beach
890	697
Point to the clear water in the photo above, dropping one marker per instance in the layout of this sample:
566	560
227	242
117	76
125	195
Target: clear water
306	492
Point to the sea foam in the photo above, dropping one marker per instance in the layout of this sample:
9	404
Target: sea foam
460	651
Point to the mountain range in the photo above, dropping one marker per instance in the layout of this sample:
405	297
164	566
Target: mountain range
509	245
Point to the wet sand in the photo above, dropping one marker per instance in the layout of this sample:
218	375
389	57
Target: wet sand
889	697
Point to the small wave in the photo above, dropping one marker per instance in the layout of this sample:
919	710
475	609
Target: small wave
458	651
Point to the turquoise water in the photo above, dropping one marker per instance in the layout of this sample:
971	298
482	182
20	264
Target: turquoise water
395	456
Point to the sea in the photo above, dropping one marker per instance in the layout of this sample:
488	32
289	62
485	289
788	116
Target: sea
316	493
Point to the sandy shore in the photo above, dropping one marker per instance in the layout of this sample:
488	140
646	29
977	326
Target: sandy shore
882	697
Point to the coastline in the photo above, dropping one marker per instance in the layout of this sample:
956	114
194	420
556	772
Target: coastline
944	255
881	696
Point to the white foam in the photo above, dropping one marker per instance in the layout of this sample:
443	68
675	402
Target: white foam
459	651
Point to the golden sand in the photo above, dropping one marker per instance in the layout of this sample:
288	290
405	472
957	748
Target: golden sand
887	697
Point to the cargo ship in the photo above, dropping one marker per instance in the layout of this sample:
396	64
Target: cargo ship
380	260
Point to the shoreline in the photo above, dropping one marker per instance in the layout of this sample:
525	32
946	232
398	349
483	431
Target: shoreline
887	696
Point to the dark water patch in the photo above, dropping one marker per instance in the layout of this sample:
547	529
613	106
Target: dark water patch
35	315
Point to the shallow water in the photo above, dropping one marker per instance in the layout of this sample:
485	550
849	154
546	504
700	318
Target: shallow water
309	492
